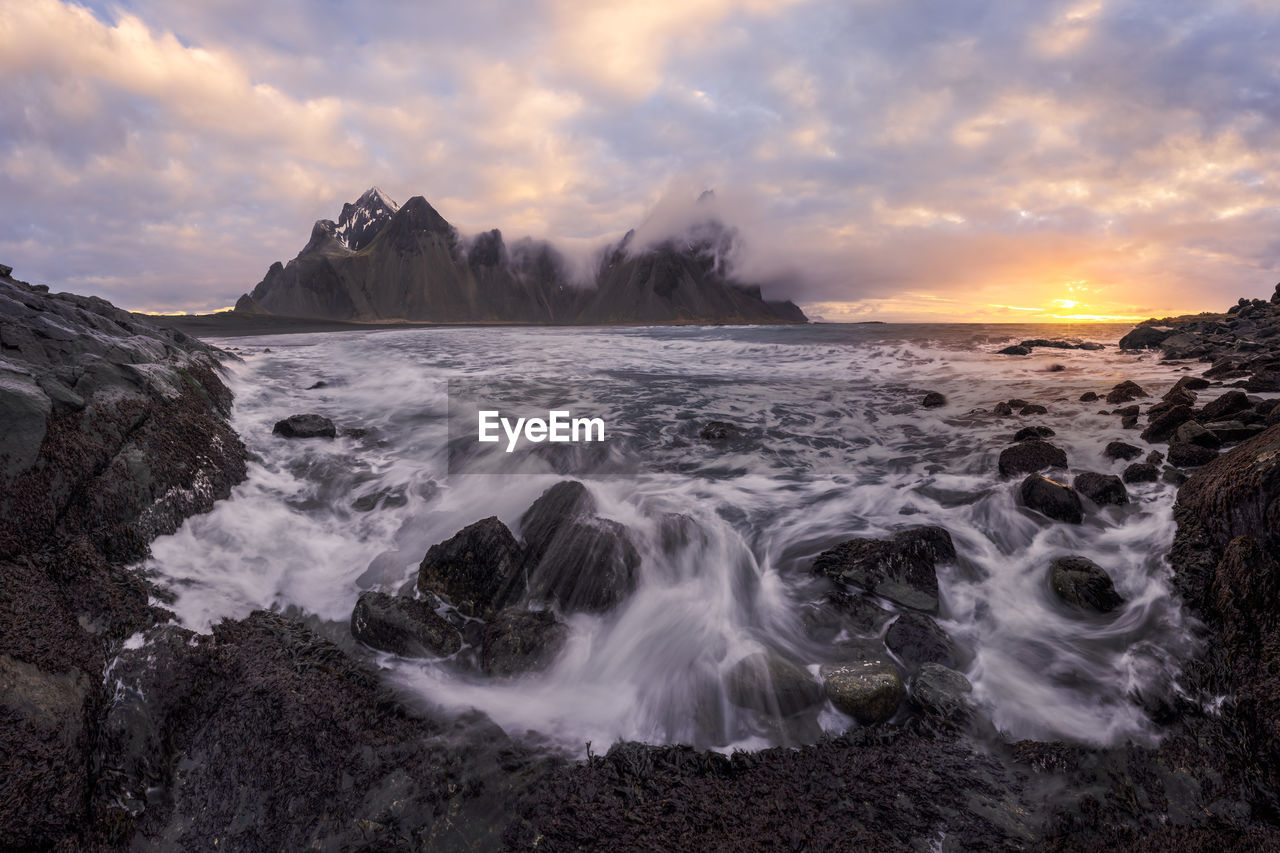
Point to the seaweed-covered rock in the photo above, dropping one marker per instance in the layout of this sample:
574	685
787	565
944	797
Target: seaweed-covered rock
403	626
901	569
1056	500
1031	455
1082	583
769	684
1186	455
520	641
477	570
1102	489
305	426
869	691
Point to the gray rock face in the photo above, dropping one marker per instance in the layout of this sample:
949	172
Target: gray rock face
403	626
1056	500
1082	583
305	426
521	641
902	569
383	262
1102	489
941	692
869	691
477	570
1029	456
771	685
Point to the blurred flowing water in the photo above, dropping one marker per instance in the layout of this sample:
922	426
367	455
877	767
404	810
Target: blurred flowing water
836	446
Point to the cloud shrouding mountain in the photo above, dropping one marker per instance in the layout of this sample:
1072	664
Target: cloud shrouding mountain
985	160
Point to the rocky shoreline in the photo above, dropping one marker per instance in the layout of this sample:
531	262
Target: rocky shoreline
123	730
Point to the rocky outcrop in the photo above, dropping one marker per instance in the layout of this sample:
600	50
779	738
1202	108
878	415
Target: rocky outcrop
112	431
901	569
382	262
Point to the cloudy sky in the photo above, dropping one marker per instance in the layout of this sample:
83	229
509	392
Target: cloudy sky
908	159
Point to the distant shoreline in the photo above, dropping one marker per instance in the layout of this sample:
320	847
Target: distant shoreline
230	324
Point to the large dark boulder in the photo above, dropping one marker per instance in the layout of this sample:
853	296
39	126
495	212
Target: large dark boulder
1125	392
590	564
1121	450
1141	472
933	400
1224	407
477	570
403	626
1102	489
1164	425
1082	583
1192	433
770	684
1144	337
917	639
941	692
1056	500
520	641
305	426
901	569
1031	455
563	502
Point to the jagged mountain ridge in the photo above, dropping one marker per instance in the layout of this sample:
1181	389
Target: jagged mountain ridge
384	262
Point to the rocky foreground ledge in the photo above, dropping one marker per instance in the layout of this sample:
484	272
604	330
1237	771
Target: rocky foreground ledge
262	735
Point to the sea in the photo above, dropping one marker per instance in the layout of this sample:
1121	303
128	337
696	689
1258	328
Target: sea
832	443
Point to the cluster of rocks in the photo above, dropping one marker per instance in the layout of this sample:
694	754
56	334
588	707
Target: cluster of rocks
476	589
1025	347
1243	344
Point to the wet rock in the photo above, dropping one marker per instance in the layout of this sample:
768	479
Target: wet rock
1102	489
1141	472
1032	432
1056	500
1144	337
901	569
1164	425
563	502
857	613
1192	433
1002	409
1126	411
1056	368
1082	583
305	426
1121	450
1016	349
1029	456
1129	422
940	691
1173	476
477	570
769	684
1224	407
1186	455
933	400
590	564
1264	381
917	639
1033	409
1191	383
719	431
1155	457
1088	397
403	626
1179	397
314	386
520	641
1230	432
868	691
1125	392
24	408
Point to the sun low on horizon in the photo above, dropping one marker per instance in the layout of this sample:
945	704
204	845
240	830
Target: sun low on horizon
975	161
